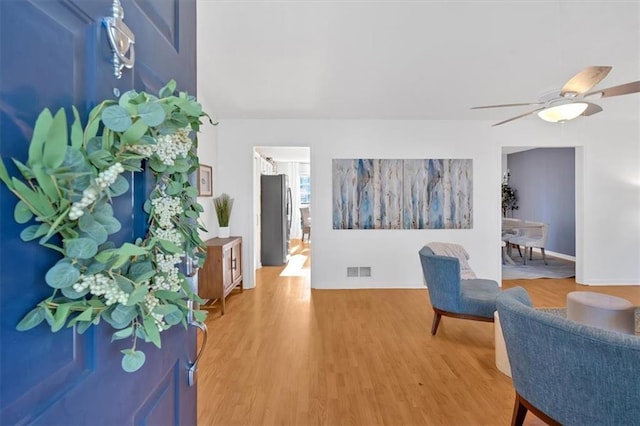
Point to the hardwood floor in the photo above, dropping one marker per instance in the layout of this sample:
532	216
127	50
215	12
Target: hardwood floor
284	354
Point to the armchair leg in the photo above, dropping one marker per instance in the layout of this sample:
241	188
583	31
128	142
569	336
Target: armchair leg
519	412
544	257
519	252
436	321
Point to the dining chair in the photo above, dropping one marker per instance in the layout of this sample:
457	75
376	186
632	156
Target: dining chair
532	234
305	222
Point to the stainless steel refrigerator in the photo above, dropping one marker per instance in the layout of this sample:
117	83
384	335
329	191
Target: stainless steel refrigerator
275	212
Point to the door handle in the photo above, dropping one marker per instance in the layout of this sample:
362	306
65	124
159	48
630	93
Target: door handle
121	39
193	367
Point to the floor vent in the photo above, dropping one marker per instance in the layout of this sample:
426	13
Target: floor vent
352	271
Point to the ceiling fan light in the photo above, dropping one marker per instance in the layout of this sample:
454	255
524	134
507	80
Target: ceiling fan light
564	112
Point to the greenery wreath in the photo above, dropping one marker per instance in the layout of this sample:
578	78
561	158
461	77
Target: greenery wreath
68	189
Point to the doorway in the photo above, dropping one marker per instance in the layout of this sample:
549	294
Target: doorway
546	181
295	163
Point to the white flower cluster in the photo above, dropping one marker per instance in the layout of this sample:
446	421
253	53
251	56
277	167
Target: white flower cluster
151	302
145	150
168	277
165	208
90	194
170	147
169	235
100	284
109	176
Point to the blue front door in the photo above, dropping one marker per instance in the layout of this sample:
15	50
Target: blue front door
55	53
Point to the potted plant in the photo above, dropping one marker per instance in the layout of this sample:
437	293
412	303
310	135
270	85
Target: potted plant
223	205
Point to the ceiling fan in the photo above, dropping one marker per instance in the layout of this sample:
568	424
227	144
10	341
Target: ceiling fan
573	99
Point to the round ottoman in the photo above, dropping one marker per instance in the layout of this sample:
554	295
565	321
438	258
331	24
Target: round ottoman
601	310
502	359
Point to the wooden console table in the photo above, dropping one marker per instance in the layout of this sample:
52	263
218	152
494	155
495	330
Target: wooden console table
222	270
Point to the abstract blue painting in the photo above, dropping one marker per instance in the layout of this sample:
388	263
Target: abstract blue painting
367	194
402	194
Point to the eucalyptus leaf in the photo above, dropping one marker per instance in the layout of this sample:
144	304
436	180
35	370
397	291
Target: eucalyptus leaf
140	268
97	232
124	283
119	187
76	130
4	175
173	318
173	188
70	293
128	249
135	132
157	165
110	223
151	329
48	315
122	334
116	118
85	315
95	267
165	309
22	213
168	89
181	165
200	315
138	295
33	231
32	319
62	275
40	131
126	101
191	192
81	248
38	205
190	108
105	255
81	327
170	247
123	314
93	124
55	146
60	317
168	295
151	114
74	160
132	360
94	144
46	182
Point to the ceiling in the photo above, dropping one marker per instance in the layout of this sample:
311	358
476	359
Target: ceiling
409	59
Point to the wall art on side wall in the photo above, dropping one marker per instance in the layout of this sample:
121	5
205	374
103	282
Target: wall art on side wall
402	194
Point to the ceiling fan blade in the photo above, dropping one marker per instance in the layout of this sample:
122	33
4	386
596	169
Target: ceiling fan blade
592	109
623	89
518	116
584	81
505	105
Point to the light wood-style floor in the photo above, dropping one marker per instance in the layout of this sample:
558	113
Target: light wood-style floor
284	354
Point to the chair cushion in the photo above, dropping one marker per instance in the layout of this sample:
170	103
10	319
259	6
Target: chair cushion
479	297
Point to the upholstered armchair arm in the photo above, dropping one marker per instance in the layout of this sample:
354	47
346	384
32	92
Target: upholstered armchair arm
558	364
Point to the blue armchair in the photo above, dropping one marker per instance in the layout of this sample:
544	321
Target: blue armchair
565	372
473	299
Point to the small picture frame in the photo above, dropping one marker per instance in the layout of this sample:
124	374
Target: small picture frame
205	181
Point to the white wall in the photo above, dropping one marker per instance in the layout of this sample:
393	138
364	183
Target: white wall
207	154
607	195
